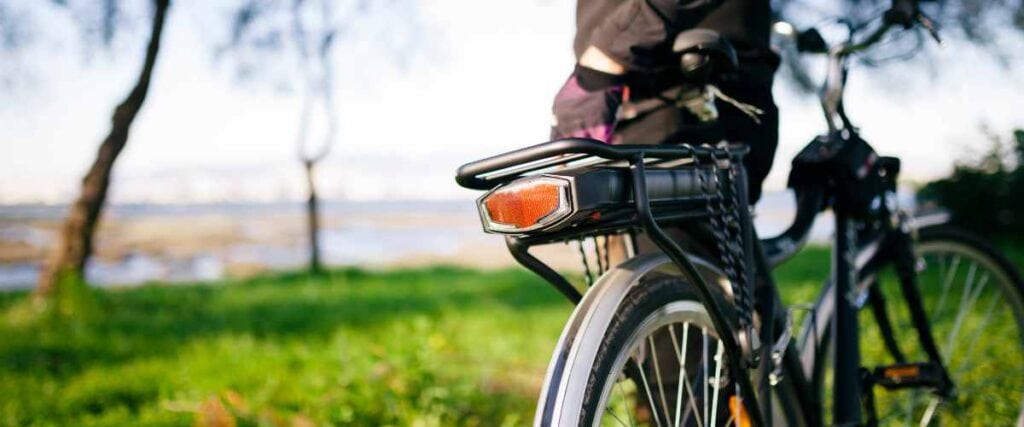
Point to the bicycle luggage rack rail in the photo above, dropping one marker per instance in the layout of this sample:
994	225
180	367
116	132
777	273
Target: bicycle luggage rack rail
565	156
488	173
491	172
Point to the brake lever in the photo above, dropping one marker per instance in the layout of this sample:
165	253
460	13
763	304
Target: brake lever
929	25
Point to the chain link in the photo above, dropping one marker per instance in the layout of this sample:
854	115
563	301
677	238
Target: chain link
601	256
737	243
586	264
727	232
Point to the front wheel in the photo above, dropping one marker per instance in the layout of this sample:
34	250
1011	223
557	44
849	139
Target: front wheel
973	298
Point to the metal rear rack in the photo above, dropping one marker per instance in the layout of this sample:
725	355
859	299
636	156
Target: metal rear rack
488	173
637	161
671	193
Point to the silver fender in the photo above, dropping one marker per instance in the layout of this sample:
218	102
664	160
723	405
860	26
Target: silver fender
918	222
569	370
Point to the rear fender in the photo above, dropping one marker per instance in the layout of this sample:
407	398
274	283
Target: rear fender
561	398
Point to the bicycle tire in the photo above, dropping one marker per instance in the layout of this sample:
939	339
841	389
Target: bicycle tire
970	406
655	294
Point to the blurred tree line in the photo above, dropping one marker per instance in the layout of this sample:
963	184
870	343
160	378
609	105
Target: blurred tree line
986	194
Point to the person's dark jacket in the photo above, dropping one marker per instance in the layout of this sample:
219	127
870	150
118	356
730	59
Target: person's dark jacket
639	33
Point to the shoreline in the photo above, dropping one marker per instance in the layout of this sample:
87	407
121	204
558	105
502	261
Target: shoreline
180	243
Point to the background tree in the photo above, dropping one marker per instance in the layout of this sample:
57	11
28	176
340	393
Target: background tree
986	194
100	21
993	26
315	48
292	43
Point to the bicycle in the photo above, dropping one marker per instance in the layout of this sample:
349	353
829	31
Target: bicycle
679	336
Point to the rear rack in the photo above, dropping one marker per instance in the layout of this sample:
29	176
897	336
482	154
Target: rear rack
601	179
635	162
607	178
488	173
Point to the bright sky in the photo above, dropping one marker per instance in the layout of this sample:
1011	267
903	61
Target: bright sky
484	85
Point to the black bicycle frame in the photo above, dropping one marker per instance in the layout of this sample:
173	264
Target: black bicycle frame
852	263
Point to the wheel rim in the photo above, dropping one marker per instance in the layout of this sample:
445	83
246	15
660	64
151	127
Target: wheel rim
664	371
977	319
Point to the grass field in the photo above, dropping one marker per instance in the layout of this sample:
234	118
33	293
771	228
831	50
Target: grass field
438	346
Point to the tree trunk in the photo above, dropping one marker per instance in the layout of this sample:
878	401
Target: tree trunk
76	236
313	214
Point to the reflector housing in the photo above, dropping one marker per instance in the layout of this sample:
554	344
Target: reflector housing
526	205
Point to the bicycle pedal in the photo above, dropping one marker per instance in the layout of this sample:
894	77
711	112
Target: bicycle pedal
909	375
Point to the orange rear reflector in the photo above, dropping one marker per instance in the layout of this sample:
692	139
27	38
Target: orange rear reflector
522	206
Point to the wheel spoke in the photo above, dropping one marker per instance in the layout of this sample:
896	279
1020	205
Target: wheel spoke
942	265
657	374
704	383
718	378
928	413
947	280
682	371
911	406
966	301
972	348
650	396
675	342
693	403
616	417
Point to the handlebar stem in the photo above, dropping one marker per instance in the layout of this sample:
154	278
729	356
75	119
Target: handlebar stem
835	81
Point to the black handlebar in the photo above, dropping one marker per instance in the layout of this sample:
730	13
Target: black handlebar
867	42
809	41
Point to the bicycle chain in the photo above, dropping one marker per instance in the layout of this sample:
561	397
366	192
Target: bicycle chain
737	243
727	232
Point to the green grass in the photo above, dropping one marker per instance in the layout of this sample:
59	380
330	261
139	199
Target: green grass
437	346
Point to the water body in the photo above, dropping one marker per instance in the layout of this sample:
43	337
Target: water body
360	241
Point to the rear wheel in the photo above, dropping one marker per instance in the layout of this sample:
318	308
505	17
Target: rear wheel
662	364
641	349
